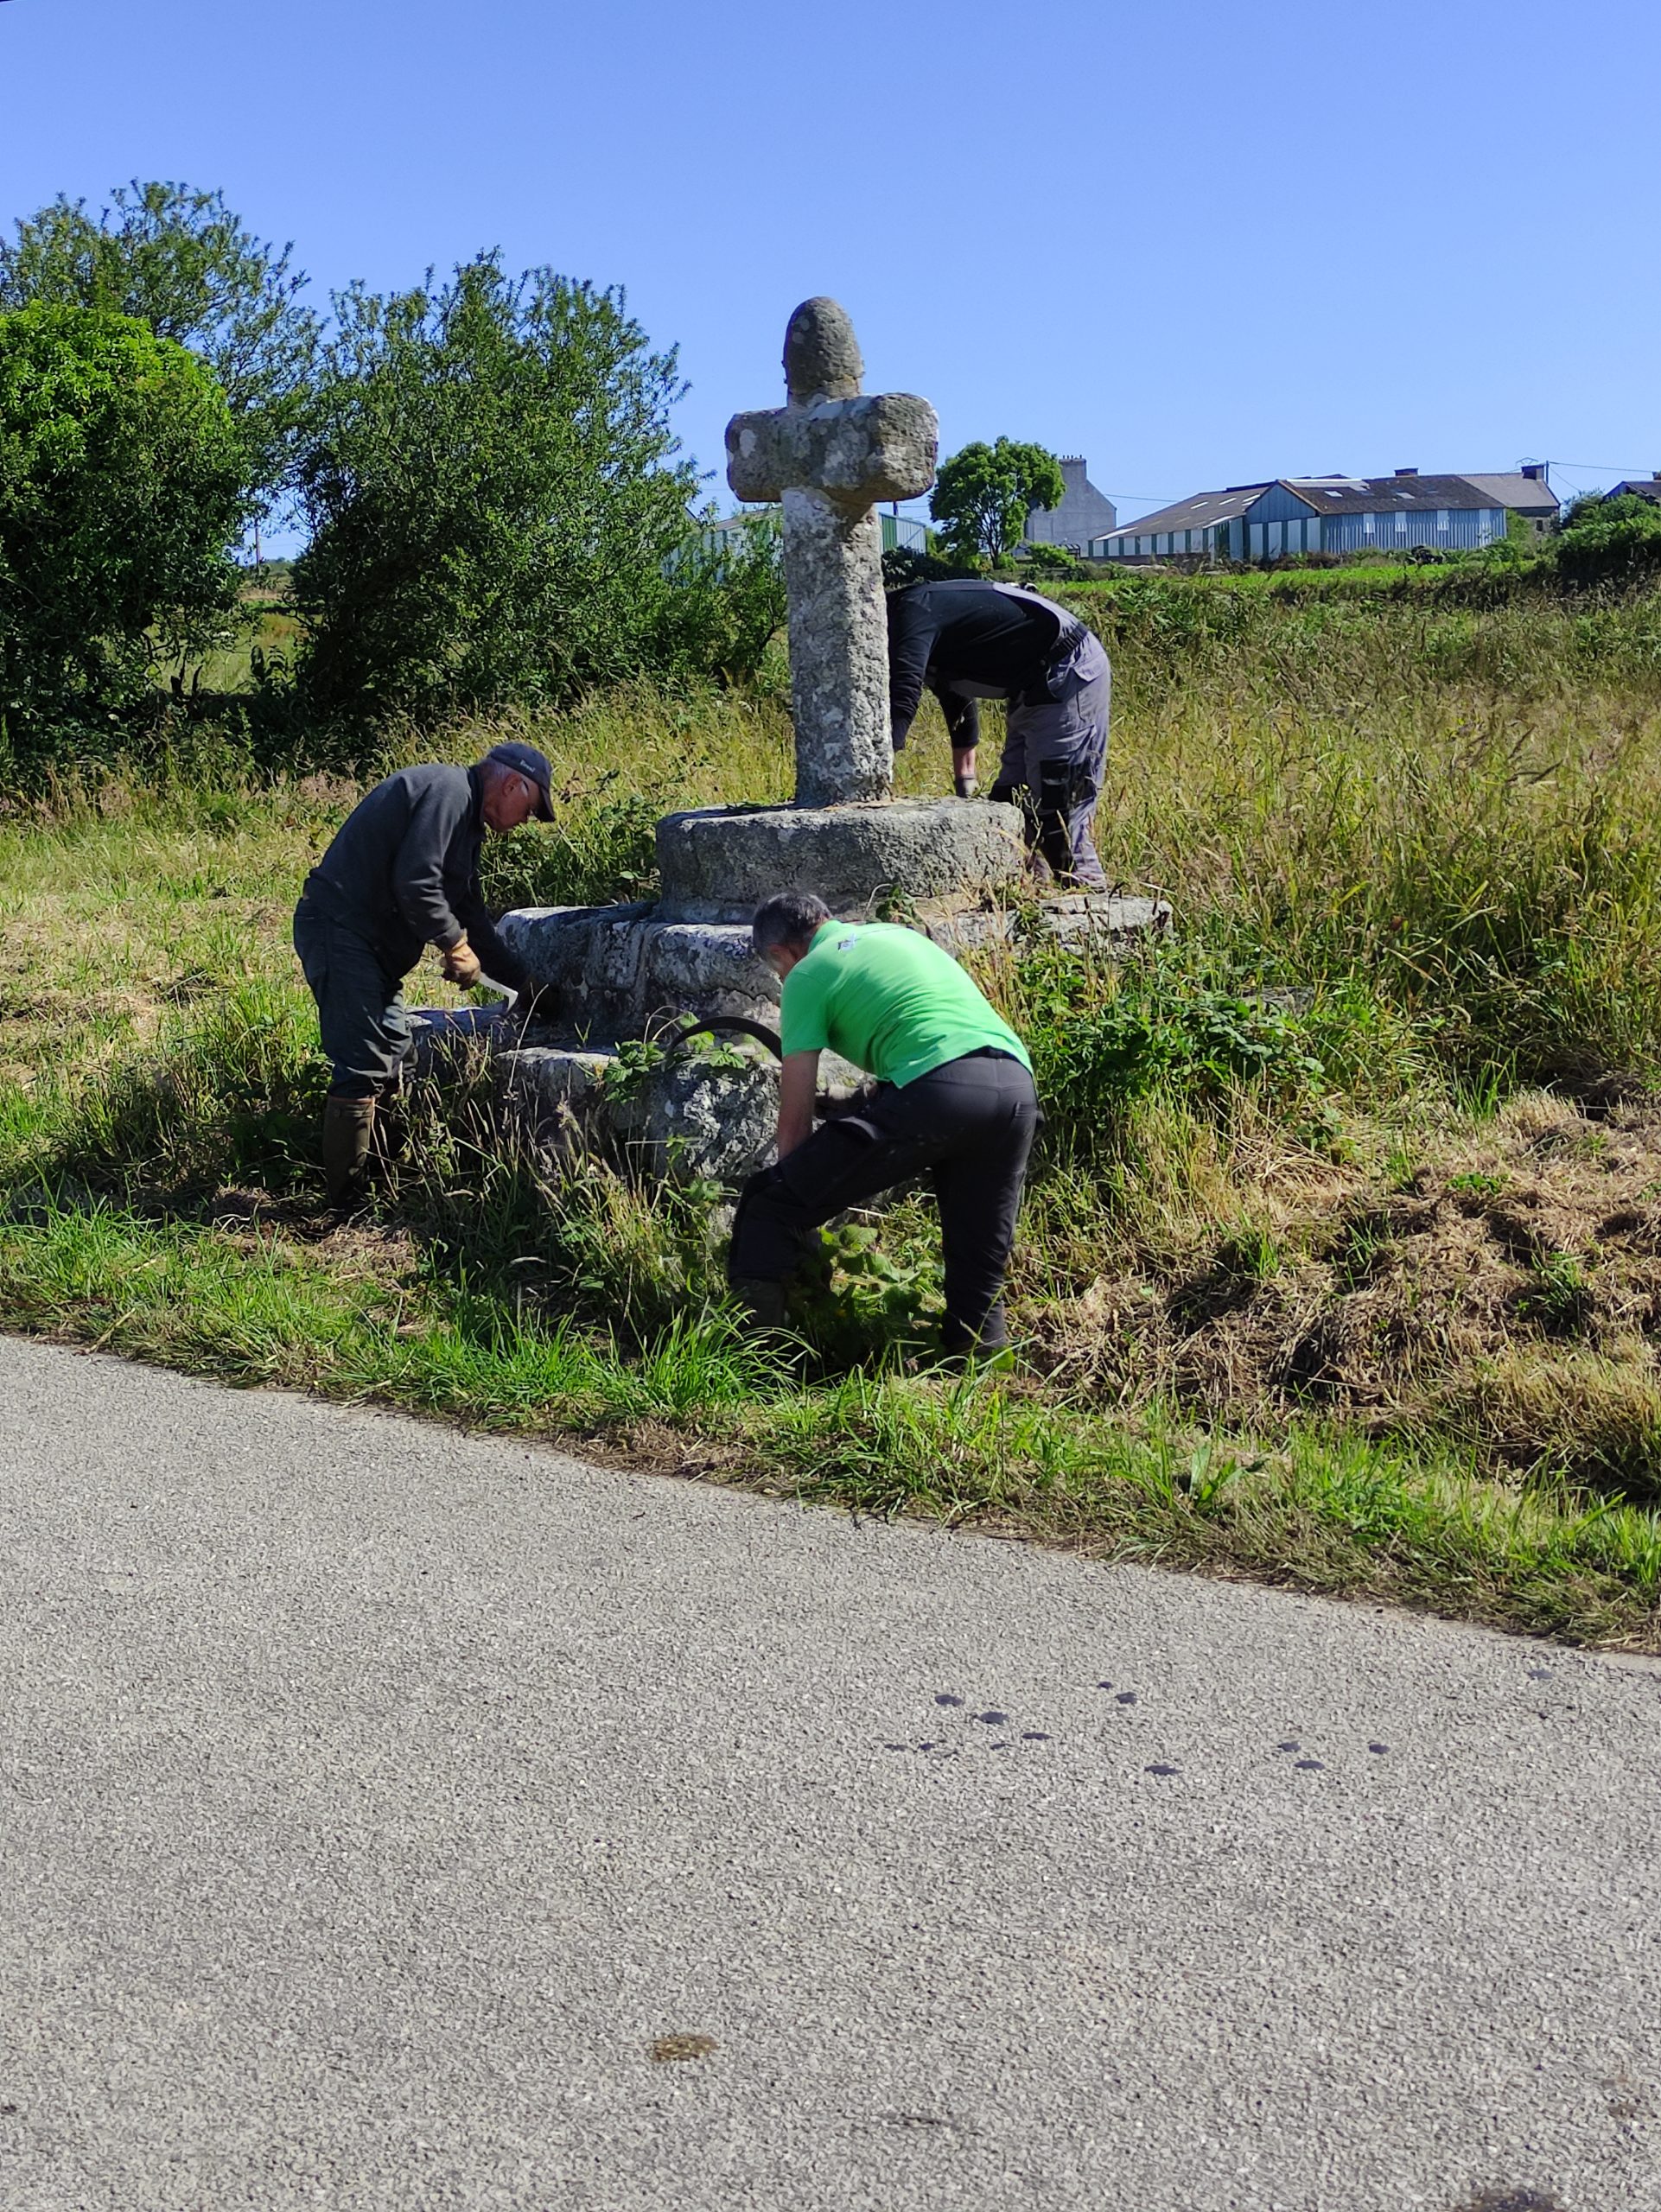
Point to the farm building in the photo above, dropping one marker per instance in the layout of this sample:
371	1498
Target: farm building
1337	514
1083	513
1638	488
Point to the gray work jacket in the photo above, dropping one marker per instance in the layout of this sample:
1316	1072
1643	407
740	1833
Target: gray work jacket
402	872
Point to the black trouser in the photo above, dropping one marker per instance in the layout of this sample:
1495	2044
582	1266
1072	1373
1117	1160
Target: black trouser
969	1124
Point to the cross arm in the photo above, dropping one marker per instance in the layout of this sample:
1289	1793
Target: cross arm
881	446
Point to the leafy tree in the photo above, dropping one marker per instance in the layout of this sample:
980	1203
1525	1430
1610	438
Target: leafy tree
121	499
181	261
494	497
727	605
985	494
1606	540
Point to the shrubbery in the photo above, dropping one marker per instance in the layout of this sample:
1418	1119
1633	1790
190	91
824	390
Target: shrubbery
123	492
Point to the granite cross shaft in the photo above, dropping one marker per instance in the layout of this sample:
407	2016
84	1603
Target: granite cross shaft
827	457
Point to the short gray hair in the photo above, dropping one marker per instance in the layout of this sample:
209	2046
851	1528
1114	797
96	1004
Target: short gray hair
788	917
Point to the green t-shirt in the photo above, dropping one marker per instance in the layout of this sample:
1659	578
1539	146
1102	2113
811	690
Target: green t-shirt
889	1000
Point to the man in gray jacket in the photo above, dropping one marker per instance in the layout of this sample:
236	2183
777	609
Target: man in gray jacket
401	873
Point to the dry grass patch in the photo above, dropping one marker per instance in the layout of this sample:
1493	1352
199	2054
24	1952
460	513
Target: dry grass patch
1504	1291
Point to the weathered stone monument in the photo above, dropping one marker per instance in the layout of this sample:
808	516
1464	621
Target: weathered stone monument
826	457
625	972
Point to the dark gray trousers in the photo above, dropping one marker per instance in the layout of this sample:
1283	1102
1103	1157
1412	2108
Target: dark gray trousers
1054	758
360	1016
968	1125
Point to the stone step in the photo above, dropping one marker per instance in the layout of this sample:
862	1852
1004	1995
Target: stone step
693	1116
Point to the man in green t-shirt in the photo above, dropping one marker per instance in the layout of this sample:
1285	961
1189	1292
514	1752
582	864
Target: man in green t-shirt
955	1101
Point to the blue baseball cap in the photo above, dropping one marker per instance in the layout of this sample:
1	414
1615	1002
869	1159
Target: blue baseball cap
513	753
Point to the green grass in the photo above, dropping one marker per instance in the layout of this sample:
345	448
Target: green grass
1319	1511
1279	1319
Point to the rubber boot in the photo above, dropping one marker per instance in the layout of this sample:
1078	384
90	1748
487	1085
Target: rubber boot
349	1132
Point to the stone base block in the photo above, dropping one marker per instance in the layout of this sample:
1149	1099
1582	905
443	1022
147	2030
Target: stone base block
621	971
695	1117
719	863
1098	921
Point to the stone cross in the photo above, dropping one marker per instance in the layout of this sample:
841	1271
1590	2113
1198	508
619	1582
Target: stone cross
827	456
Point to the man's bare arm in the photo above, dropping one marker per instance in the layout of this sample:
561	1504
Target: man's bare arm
798	1086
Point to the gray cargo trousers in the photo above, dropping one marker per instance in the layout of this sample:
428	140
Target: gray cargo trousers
1054	758
969	1126
361	1015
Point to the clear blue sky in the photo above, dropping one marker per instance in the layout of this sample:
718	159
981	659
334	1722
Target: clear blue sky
1199	242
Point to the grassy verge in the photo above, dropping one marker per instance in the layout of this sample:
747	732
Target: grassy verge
1318	1510
1342	1260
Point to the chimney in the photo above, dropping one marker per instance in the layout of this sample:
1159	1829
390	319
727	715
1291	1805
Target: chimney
1407	472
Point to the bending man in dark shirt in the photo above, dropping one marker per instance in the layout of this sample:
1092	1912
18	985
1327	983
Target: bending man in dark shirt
402	873
967	641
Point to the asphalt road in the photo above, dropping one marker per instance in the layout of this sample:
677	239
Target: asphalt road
373	1800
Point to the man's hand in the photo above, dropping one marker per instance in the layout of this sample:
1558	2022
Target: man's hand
462	964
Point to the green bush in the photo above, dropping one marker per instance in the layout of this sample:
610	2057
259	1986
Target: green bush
1610	540
493	500
181	261
121	495
1161	1020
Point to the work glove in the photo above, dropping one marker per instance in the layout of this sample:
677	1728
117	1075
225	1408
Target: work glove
462	964
965	786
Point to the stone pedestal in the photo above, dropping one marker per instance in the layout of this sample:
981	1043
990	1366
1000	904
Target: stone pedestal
719	863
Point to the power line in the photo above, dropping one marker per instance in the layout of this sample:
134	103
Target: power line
1597	467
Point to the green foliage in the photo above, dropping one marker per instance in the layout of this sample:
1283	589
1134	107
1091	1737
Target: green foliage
601	847
726	604
905	565
1612	541
122	494
984	494
182	262
1054	561
493	499
1558	1297
864	1293
1162	1020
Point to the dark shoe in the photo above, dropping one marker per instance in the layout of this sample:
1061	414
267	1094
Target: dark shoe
991	1350
349	1132
762	1299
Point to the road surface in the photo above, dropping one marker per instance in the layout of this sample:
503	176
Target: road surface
380	1806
